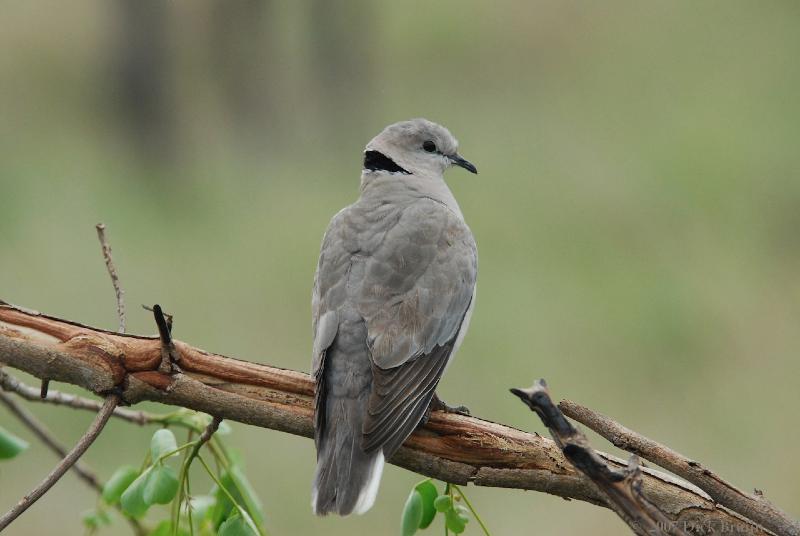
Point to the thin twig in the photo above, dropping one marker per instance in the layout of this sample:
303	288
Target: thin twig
57	398
754	507
112	271
46	437
69	460
622	489
471	509
212	427
40	431
183	478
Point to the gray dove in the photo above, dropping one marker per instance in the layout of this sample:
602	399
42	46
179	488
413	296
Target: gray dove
392	299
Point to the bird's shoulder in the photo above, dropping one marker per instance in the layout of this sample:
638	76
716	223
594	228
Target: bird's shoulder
387	260
417	288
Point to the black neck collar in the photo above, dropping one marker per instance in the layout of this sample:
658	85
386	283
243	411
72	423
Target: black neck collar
377	161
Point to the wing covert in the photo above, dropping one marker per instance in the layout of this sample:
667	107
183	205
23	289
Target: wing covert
416	294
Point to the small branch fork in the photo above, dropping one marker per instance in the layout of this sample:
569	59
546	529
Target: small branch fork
183	478
210	430
69	460
622	488
754	507
46	437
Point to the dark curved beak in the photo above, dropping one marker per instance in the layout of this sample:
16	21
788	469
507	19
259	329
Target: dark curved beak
457	160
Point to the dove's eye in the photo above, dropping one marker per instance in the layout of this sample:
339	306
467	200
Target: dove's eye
429	146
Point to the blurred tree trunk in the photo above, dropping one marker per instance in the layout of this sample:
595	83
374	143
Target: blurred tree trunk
140	71
341	61
242	62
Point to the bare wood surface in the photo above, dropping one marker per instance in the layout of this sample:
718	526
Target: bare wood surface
753	507
451	447
69	460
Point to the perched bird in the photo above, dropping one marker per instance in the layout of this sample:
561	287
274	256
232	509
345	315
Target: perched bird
392	299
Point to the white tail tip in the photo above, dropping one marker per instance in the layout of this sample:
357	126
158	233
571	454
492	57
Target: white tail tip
367	496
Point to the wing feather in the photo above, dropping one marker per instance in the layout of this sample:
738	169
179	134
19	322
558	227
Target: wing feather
424	275
402	411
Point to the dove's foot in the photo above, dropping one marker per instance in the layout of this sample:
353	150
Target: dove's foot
437	404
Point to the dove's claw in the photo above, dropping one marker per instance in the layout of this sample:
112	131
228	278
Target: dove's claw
437	404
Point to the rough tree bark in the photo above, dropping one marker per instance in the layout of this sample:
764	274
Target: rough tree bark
452	448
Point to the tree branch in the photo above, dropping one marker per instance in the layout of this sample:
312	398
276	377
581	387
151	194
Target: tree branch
753	507
622	488
69	460
450	447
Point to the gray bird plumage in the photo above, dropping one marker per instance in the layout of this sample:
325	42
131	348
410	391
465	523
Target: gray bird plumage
392	297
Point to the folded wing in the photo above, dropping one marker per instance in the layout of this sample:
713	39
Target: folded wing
417	289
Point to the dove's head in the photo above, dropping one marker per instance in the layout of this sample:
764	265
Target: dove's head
418	147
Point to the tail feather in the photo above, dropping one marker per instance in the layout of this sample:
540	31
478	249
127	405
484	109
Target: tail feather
347	478
366	498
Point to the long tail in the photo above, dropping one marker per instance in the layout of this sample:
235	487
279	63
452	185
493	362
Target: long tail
347	478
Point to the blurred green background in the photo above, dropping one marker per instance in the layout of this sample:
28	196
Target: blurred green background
637	212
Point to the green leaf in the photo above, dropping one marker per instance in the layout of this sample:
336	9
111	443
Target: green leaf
162	442
161	486
249	521
94	519
234	456
165	529
119	482
10	445
412	514
162	529
454	521
427	491
223	505
132	499
443	503
244	494
202	506
236	525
